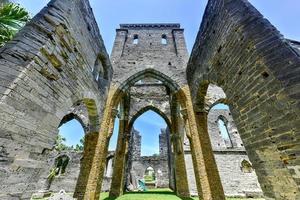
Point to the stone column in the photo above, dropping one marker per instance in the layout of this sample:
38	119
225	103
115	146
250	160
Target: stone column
90	142
94	157
193	148
181	181
117	183
207	176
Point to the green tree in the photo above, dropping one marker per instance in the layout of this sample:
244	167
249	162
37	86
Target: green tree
59	143
12	18
79	147
60	146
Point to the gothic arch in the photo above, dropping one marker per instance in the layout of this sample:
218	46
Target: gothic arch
145	109
165	79
71	116
258	82
86	112
119	89
102	67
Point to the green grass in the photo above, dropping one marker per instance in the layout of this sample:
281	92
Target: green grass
155	194
152	194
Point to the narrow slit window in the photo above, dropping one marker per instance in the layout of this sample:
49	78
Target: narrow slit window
135	39
164	39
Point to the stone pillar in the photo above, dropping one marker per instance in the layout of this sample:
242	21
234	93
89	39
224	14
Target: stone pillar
90	142
181	181
193	147
207	176
94	157
117	183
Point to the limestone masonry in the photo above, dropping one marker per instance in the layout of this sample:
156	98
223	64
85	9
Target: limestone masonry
57	69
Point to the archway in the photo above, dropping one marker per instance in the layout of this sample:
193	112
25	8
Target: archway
71	134
133	101
231	157
64	158
150	145
224	137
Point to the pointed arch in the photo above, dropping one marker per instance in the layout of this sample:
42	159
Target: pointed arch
145	109
150	72
119	87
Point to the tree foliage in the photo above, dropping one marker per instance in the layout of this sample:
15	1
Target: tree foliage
79	147
60	146
12	18
59	143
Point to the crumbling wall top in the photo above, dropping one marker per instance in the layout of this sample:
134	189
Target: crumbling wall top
151	25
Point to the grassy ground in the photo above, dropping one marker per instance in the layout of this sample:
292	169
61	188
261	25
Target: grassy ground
152	194
155	194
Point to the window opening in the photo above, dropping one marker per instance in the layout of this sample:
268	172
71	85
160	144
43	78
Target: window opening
135	39
164	39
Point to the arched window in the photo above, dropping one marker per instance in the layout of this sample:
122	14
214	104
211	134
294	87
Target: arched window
224	132
70	134
149	125
61	164
100	74
135	39
149	176
163	39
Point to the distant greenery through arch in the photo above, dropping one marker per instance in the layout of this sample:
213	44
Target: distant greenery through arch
70	136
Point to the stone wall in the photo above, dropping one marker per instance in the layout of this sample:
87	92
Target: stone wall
235	181
57	69
149	96
107	177
46	71
66	181
132	60
241	52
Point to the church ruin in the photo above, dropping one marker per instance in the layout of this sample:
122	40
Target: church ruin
57	69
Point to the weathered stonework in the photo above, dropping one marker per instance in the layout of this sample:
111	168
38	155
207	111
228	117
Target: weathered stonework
142	70
241	52
57	69
235	182
46	72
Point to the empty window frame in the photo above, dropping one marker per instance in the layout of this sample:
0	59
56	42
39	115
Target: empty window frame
164	39
135	39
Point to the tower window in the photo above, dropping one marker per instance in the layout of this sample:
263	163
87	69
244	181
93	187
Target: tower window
163	39
135	39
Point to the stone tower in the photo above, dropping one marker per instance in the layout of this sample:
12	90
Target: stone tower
149	63
163	143
141	46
